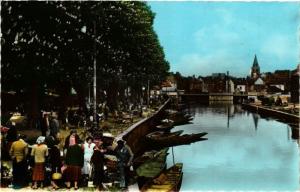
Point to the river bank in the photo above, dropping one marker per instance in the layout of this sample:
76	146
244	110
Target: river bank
291	119
273	112
130	130
244	151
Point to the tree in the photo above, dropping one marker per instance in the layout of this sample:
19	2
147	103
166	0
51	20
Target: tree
45	47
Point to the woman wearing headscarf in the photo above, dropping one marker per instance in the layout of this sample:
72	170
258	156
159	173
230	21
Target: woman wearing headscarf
39	151
74	161
88	148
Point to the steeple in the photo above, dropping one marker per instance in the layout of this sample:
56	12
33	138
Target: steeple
255	62
255	70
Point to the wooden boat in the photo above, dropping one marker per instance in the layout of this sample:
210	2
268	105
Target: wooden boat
160	135
151	168
155	141
180	118
167	121
171	111
148	155
165	127
168	180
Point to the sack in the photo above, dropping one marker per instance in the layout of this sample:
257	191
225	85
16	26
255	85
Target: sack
56	175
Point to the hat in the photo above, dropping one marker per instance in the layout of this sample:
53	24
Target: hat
120	141
40	139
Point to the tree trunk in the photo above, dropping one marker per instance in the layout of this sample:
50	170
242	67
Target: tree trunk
112	95
33	106
81	94
63	101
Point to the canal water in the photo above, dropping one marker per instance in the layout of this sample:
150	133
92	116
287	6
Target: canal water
243	152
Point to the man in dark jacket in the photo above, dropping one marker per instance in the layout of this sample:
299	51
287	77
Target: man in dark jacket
54	126
124	156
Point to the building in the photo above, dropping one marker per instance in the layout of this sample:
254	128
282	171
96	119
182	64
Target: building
230	86
255	69
280	79
240	89
169	85
295	81
214	84
258	85
196	85
218	75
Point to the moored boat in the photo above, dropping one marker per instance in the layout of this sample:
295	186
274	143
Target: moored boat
148	156
158	136
158	140
152	167
168	180
164	126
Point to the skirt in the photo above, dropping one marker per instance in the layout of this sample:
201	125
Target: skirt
72	173
38	172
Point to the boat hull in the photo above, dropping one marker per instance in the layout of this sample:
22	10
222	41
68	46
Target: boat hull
168	180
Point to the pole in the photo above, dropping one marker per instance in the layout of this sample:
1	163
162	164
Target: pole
148	93
173	156
89	94
95	80
227	82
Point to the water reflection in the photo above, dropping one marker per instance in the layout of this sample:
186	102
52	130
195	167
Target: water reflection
255	120
243	152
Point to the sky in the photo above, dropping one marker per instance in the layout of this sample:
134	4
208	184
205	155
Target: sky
201	38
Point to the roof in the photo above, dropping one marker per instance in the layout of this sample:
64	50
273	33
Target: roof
259	81
274	89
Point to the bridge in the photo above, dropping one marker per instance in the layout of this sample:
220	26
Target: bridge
207	97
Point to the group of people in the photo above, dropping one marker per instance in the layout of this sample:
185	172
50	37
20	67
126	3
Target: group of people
76	162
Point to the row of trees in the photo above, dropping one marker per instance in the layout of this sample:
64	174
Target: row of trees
51	45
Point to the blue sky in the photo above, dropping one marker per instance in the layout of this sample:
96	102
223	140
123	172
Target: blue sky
210	37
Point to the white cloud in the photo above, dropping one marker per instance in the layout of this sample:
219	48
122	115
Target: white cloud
216	37
218	62
215	52
225	15
280	47
229	42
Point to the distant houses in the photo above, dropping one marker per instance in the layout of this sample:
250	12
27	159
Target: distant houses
295	85
277	83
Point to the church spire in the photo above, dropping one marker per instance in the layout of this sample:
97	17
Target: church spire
255	70
255	62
